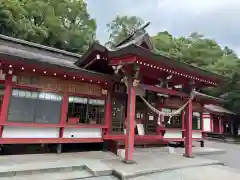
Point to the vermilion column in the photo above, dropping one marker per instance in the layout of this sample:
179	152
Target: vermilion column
129	141
188	133
220	130
6	100
211	123
183	123
108	113
64	112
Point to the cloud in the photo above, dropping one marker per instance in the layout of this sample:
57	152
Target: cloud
217	19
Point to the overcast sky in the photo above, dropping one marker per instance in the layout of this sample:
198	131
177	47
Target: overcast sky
217	19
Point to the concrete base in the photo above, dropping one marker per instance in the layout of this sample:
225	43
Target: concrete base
195	150
188	156
129	161
59	148
227	140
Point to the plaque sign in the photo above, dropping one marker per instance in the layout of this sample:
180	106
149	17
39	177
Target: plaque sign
59	85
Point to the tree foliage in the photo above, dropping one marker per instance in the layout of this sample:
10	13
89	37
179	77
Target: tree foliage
121	27
62	24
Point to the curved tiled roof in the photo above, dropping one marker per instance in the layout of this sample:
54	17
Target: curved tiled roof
217	109
12	49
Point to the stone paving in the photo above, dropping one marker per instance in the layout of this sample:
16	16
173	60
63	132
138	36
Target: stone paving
158	162
219	172
230	158
214	172
196	150
102	178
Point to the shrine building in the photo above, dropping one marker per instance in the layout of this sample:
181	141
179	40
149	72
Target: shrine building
128	94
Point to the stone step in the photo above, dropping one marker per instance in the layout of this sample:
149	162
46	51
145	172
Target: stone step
93	167
63	175
102	178
41	170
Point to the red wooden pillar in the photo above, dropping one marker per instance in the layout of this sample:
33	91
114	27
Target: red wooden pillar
220	125
6	100
161	118
64	112
183	123
108	114
161	106
202	125
188	133
211	123
129	140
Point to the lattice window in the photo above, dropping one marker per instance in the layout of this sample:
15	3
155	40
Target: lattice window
34	107
86	110
196	121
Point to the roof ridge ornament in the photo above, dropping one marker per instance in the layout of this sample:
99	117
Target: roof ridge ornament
133	35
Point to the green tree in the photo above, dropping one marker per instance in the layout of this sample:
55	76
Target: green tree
121	27
164	44
62	24
225	65
195	49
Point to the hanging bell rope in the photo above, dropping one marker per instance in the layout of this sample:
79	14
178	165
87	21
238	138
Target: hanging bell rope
152	108
170	114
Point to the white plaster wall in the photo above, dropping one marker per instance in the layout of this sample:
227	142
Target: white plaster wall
206	124
196	134
82	133
173	134
30	132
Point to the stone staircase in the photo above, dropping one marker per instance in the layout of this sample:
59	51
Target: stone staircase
64	174
54	171
94	165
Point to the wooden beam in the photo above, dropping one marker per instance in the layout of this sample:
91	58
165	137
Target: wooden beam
163	90
122	60
48	140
